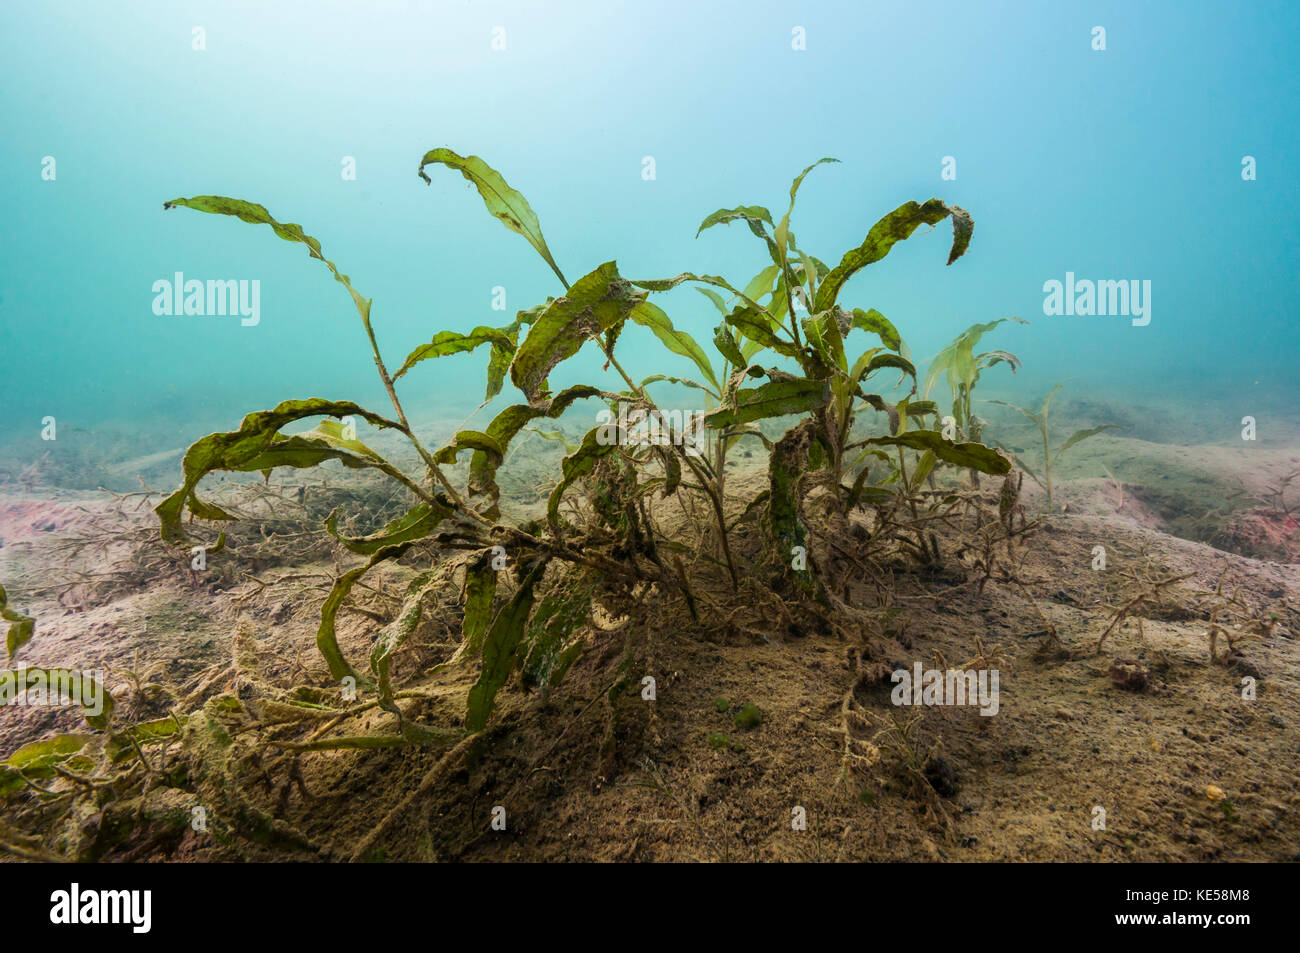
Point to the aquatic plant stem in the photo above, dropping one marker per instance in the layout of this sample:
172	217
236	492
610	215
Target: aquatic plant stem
690	461
435	472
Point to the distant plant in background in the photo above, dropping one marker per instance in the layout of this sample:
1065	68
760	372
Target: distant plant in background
1050	458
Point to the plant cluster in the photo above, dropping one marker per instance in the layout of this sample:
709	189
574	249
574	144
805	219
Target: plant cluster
850	460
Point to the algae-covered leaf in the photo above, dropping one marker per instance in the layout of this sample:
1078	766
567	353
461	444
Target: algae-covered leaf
417	523
596	303
480	590
823	334
757	325
21	627
677	341
974	456
895	227
875	322
790	459
503	202
596	443
500	650
258	445
326	636
54	685
776	398
395	635
37	759
877	361
553	639
726	344
450	342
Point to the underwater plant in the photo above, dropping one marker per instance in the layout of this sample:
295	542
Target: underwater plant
962	367
529	590
1049	459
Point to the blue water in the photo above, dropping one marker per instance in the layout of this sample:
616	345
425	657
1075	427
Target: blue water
1117	164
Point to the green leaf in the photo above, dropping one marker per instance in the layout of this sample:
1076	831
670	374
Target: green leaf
679	342
501	200
1081	435
726	345
596	443
761	283
499	651
417	523
258	446
1037	420
895	227
684	381
774	399
875	322
781	233
957	360
923	468
596	302
55	683
256	214
395	635
326	637
480	590
21	627
974	456
450	342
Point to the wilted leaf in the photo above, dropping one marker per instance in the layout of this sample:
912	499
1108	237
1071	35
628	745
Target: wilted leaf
450	342
895	227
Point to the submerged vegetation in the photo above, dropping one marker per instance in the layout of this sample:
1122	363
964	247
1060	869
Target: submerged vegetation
855	487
